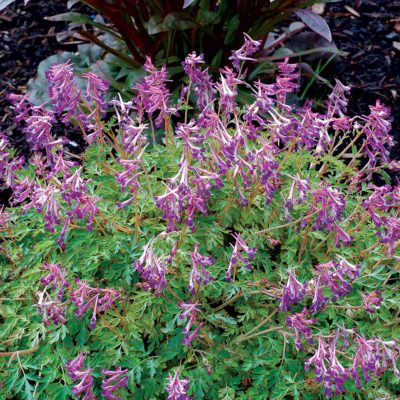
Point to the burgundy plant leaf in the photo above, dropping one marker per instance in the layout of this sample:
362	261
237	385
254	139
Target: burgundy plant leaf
315	23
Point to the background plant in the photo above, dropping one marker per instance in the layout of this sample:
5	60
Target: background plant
169	30
198	248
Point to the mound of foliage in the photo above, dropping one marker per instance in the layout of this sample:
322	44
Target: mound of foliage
197	249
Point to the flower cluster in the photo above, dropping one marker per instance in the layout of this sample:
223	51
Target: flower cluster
77	373
113	380
300	324
372	301
190	310
153	94
238	249
199	263
373	356
332	275
336	276
177	388
152	269
56	278
293	292
98	299
249	48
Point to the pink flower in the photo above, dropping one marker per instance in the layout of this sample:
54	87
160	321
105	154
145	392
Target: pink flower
372	301
98	299
293	292
77	373
115	380
152	270
62	91
199	263
177	388
237	255
249	48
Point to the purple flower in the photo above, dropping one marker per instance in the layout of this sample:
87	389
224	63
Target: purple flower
319	300
38	129
113	381
378	201
267	166
374	356
313	130
240	246
249	48
300	323
332	205
77	372
302	186
192	138
227	89
152	270
191	311
392	233
52	311
328	369
131	134
286	81
95	90
44	200
85	207
177	388
199	263
129	178
98	299
337	104
21	107
21	190
60	166
153	94
372	301
318	360
180	197
171	204
62	91
200	80
333	275
56	277
341	236
73	186
293	292
377	130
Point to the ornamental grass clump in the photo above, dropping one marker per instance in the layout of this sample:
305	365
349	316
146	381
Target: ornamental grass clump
198	249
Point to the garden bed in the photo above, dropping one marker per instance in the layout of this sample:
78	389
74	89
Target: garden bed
212	245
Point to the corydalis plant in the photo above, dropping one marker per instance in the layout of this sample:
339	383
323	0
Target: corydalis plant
275	197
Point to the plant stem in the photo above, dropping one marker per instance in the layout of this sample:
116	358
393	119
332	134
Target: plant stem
288	224
262	323
273	329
